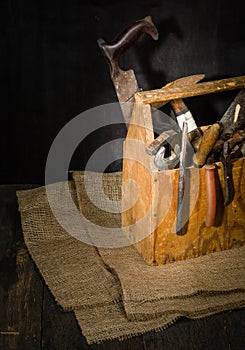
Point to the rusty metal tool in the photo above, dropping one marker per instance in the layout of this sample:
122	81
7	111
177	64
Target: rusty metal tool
227	141
164	137
182	114
210	177
234	117
125	82
229	186
237	137
180	220
229	153
242	149
166	163
157	148
232	125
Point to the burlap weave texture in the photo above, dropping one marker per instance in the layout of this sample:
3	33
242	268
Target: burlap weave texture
113	293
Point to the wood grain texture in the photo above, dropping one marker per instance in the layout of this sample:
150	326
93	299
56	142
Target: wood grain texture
157	196
204	336
59	329
137	169
158	96
184	81
21	288
210	170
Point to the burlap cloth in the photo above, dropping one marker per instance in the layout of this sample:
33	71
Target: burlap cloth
113	293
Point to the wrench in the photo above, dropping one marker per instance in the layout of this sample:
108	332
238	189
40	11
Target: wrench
170	162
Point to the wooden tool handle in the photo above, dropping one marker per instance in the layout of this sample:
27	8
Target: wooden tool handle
178	106
124	40
211	194
181	82
207	143
169	93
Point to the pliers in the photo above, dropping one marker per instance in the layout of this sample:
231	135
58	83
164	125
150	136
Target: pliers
226	158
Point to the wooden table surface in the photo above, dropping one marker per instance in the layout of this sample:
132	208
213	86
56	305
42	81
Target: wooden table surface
30	319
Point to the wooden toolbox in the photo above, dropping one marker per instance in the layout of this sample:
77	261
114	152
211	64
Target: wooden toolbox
149	202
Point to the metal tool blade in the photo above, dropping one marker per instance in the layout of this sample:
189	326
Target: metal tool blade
126	86
180	219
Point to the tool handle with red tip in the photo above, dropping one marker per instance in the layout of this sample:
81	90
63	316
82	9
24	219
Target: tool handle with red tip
211	194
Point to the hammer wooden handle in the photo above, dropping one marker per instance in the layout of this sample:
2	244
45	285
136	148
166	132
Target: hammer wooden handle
182	113
207	143
178	106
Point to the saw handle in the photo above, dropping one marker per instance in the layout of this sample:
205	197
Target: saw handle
124	40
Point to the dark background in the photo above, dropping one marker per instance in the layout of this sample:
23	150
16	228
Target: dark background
52	68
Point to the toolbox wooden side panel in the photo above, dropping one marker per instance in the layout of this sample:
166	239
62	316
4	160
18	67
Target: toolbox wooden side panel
138	180
228	231
157	196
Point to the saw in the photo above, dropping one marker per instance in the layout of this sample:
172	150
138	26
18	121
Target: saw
125	82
